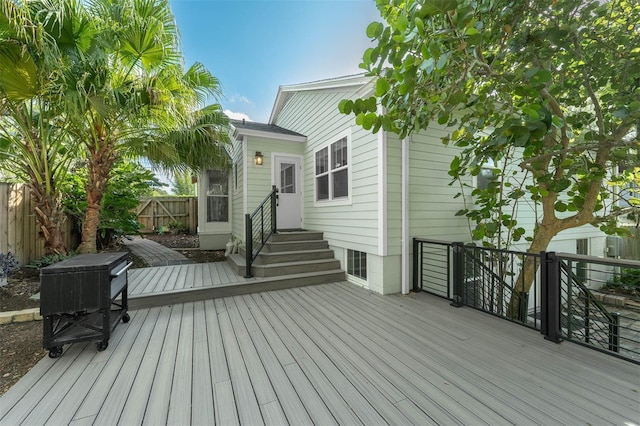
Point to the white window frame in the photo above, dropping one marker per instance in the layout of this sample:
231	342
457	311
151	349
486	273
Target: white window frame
353	278
331	201
227	196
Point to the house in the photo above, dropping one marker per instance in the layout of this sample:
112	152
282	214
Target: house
369	194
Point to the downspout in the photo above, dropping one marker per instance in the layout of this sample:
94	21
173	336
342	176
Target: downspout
406	259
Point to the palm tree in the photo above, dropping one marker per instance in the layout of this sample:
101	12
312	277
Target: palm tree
134	98
33	144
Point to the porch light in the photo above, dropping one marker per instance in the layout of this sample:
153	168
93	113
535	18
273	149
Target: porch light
258	158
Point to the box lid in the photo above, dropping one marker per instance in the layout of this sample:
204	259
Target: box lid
86	262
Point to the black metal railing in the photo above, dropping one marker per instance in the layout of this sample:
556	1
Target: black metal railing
551	292
259	226
504	283
599	319
479	277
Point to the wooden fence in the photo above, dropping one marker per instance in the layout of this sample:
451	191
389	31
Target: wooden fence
156	214
19	232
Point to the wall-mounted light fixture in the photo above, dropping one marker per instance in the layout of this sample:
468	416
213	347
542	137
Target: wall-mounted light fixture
258	158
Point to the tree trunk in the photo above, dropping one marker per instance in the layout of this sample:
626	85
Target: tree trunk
99	166
50	219
517	305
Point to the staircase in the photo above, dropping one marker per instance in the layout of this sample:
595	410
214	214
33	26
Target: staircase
297	256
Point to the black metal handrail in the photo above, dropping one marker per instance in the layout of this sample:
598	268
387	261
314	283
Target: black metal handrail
583	317
259	226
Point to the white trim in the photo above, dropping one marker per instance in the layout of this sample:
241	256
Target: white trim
382	191
405	216
300	178
338	201
270	135
352	278
245	183
333	83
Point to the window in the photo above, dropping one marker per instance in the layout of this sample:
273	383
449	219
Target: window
357	264
486	176
217	196
235	176
332	171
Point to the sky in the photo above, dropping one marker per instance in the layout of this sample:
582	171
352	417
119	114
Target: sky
254	46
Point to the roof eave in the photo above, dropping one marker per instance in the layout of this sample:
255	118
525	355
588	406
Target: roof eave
335	83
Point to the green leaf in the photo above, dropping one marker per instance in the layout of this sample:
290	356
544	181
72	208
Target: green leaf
382	86
436	7
402	22
345	106
374	29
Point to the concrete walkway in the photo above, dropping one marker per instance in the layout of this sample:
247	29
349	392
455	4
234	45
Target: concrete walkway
155	254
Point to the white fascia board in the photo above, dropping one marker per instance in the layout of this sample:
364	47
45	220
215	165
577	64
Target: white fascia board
270	135
332	83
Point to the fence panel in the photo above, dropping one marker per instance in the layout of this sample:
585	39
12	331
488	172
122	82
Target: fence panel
19	231
155	214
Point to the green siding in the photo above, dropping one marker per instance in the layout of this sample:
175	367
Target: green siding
315	114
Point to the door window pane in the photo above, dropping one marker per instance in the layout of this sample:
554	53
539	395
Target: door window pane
287	178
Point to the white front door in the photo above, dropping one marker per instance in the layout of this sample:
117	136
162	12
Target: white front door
287	180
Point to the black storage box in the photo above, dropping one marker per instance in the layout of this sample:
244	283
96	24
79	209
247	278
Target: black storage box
79	299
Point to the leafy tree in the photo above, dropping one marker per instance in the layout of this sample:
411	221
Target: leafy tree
550	87
34	147
128	182
182	184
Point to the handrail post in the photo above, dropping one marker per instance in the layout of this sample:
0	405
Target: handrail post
614	333
248	245
550	293
274	205
458	274
417	257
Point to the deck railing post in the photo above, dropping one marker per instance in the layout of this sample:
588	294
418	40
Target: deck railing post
417	258
458	274
550	293
248	229
614	333
274	205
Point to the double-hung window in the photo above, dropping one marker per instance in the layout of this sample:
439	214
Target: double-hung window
217	196
332	171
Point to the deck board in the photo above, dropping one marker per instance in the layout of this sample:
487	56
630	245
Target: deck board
326	354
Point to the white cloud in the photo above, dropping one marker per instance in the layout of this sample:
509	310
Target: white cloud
236	115
240	99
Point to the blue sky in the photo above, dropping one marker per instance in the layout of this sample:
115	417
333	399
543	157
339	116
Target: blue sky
254	46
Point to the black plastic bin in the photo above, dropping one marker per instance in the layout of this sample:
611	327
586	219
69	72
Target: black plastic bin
83	299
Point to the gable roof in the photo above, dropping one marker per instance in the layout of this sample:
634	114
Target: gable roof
269	131
356	81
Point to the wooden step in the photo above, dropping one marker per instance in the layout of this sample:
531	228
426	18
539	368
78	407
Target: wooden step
259	285
279	247
296	236
270	258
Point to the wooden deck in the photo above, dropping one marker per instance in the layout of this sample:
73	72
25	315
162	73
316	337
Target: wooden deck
326	354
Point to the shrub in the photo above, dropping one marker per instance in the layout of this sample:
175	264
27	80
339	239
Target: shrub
8	264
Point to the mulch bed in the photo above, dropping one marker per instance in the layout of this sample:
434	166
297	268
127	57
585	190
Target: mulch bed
21	343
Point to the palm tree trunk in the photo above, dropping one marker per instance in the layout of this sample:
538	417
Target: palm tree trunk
50	219
100	163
